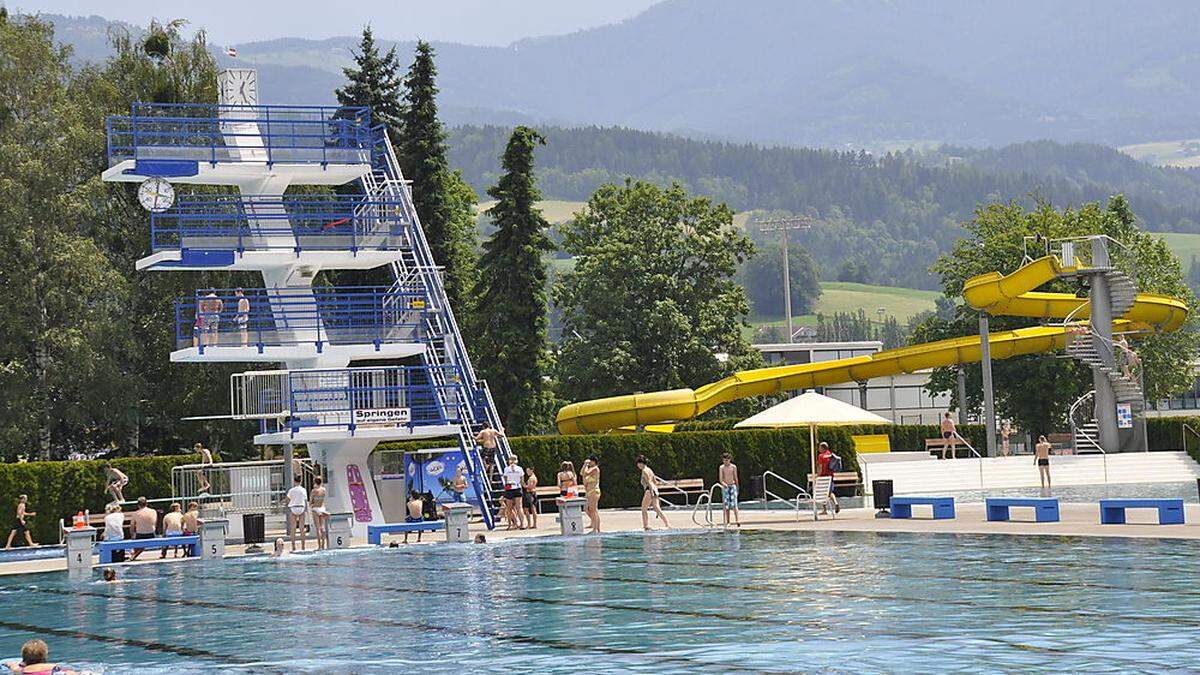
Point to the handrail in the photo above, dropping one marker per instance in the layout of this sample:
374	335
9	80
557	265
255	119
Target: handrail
705	499
1186	428
968	444
795	502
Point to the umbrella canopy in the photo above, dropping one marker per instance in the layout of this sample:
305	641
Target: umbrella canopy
812	409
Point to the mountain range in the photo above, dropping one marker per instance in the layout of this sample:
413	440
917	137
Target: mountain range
830	73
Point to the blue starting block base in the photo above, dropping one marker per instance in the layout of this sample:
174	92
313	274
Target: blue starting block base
375	532
1170	511
191	542
943	507
1045	509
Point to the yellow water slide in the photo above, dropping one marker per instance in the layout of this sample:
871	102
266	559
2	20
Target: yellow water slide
998	294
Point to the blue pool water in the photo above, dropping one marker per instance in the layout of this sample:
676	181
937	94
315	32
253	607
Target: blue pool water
717	602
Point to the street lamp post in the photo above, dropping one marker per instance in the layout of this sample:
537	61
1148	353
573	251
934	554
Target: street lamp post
782	225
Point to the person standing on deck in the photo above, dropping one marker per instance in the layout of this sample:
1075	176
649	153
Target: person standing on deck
1006	432
114	529
19	524
320	515
949	436
828	465
529	497
727	474
512	478
297	504
649	493
591	490
1041	457
566	480
242	318
459	485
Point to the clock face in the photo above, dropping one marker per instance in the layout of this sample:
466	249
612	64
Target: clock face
156	194
239	87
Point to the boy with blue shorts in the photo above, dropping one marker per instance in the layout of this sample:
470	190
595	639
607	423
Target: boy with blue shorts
728	476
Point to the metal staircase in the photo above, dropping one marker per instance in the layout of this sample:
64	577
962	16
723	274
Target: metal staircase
1085	432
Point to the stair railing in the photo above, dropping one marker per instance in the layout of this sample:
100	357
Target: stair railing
1185	430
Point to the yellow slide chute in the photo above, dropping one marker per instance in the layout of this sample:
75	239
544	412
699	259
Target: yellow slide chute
998	294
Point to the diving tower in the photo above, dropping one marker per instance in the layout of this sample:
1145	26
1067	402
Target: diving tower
312	339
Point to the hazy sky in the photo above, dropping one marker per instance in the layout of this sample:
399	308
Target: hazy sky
481	22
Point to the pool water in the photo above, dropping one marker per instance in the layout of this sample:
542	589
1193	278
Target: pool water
685	602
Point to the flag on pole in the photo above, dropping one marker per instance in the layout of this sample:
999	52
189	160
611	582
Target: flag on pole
231	51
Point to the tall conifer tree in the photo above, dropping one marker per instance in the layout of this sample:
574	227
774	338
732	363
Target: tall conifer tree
512	321
375	82
437	192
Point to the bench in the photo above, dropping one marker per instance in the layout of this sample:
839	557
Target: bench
191	542
841	479
943	507
684	486
938	445
1170	511
1045	509
375	532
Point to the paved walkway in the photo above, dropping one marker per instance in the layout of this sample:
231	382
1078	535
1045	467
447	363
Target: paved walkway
1078	520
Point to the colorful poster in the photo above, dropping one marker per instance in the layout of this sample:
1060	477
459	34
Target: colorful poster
434	473
1124	416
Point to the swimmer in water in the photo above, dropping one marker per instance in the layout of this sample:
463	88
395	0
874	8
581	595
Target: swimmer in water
480	539
34	659
109	575
279	550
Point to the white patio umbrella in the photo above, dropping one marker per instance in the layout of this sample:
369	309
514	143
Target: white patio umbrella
811	410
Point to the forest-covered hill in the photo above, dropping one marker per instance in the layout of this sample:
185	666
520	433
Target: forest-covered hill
889	215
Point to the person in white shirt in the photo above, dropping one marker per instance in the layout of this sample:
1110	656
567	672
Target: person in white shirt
114	529
512	477
297	503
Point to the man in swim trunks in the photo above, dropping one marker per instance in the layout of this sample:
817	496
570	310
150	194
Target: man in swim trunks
173	526
117	480
949	436
1041	457
487	439
459	486
191	519
728	476
145	524
19	524
297	504
320	516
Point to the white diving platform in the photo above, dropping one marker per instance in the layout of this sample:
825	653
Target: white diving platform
243	172
297	352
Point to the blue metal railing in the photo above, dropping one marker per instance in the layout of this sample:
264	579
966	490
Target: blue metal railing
360	398
214	133
291	316
270	222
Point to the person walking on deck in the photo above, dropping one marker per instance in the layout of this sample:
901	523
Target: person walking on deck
828	464
19	524
949	436
1041	457
649	493
727	474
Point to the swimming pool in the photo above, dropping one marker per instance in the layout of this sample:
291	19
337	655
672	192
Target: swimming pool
749	601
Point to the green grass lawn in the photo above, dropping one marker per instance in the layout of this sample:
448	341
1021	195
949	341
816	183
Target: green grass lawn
1184	246
1184	153
844	296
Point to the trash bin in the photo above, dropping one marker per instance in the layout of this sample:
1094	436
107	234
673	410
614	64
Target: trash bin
881	491
757	491
254	530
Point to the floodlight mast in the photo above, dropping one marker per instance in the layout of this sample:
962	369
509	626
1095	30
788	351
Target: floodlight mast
782	226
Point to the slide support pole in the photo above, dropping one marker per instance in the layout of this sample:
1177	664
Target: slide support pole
989	403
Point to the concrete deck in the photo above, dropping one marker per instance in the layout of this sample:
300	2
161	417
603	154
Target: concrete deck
1078	520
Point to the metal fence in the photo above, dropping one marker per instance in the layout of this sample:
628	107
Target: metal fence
271	222
238	487
217	134
300	315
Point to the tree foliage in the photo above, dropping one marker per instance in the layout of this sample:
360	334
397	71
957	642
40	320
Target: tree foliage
1036	390
437	195
512	320
762	277
374	81
651	302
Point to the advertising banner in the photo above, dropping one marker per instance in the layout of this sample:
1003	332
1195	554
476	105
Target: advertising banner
434	473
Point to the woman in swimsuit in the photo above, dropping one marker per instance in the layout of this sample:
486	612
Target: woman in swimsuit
591	489
529	497
649	493
566	478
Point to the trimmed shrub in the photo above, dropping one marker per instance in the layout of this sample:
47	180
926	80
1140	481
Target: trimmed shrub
58	490
672	456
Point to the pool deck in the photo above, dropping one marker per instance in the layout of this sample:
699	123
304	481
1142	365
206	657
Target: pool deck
1078	520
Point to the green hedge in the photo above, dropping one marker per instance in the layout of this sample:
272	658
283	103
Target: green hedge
675	455
59	489
903	437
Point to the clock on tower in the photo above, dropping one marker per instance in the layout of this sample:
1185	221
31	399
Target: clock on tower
238	86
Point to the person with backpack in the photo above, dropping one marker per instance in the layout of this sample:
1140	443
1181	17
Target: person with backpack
828	464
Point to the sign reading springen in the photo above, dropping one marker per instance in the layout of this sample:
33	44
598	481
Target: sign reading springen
382	417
